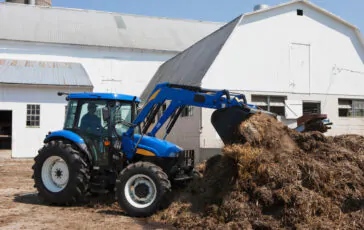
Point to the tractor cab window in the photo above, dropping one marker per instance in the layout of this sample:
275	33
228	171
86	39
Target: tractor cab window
122	116
90	118
70	114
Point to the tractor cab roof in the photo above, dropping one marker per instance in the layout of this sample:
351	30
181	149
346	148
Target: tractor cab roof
102	96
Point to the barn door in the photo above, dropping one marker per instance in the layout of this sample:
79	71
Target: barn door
300	68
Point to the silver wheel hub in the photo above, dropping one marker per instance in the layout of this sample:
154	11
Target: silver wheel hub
55	173
140	191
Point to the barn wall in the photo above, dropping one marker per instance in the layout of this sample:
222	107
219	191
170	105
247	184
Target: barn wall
279	51
309	58
110	69
26	141
186	132
329	105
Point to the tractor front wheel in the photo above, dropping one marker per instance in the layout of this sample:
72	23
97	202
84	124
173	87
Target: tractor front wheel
61	173
141	188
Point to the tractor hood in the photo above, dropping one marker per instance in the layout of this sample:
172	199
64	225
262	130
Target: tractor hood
160	148
148	146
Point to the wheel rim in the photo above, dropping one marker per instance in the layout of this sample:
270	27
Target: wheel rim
140	191
55	174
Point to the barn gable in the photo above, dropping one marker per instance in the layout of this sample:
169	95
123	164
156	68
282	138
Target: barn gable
259	37
281	51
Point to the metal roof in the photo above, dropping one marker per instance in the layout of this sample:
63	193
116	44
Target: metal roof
43	73
96	28
190	66
106	96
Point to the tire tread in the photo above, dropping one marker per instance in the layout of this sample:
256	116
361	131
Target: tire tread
163	182
75	192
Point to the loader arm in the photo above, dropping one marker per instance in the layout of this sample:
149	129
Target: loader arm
180	96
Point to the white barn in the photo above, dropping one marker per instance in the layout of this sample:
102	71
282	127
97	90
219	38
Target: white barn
44	50
291	59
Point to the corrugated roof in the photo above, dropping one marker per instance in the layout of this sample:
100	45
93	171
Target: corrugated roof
43	73
191	65
87	27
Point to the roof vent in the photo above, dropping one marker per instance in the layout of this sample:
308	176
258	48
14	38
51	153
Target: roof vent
260	7
32	2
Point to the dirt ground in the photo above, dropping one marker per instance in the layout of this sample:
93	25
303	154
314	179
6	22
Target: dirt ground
271	178
21	208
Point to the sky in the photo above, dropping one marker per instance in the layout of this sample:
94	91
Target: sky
210	10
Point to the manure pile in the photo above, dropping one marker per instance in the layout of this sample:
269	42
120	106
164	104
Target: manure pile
277	179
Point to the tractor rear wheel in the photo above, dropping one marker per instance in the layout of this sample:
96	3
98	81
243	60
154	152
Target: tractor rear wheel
61	173
141	188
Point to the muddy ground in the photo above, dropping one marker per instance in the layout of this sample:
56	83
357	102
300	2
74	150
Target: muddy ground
276	178
272	178
21	208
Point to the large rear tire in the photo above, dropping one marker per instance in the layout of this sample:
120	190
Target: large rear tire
141	188
61	173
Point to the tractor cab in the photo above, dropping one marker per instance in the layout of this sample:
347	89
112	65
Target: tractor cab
100	118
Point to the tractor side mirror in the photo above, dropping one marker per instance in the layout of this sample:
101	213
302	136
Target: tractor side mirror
105	113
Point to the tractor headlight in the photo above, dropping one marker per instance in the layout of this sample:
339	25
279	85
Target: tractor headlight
174	154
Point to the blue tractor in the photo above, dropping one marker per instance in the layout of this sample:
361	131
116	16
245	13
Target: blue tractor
109	143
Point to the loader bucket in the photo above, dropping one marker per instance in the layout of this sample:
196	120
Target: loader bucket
227	121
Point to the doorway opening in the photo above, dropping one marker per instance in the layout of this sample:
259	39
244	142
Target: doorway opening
6	118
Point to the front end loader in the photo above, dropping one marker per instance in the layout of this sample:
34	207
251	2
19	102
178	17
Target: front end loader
108	144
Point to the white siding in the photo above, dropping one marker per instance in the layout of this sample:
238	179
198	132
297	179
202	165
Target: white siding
26	141
257	55
186	132
329	105
299	67
110	69
309	58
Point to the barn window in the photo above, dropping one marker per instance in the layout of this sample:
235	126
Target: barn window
274	104
187	111
300	12
311	107
351	108
33	116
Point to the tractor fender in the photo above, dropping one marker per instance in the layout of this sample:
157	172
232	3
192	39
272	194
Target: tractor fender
71	136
